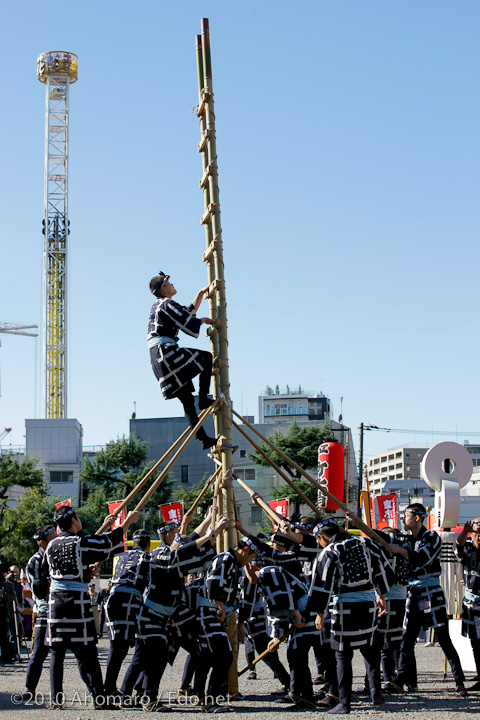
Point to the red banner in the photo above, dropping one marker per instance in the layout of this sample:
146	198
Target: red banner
331	472
281	508
121	515
65	503
172	512
387	509
119	519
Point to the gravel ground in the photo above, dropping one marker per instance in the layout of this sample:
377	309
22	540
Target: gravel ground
435	698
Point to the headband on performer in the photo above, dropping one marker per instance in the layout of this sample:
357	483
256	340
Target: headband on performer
249	543
162	279
68	512
44	532
168	527
304	526
322	524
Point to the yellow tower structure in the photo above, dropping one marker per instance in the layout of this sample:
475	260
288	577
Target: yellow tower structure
57	70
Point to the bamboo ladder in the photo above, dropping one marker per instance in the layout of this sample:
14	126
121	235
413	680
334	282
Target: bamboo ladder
213	257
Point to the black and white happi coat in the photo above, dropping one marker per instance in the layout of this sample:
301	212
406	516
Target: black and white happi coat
174	366
349	565
70	617
37	578
252	611
424	565
221	583
165	589
390	624
283	593
126	597
469	556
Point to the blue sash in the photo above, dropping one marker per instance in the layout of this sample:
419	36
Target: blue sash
160	340
361	596
127	589
397	592
165	610
425	582
67	586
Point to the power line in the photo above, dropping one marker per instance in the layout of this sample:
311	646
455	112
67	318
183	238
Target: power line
422	432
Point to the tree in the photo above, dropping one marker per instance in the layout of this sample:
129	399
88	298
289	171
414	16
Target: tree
24	474
301	445
114	472
20	523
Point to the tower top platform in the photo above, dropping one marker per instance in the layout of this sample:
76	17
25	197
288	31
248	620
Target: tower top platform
57	63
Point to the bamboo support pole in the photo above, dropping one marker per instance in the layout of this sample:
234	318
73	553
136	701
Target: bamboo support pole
140	485
265	653
368	531
156	484
204	491
271	514
213	257
279	471
347	475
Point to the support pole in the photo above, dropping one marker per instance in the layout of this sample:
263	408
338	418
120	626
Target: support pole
368	531
140	485
213	257
279	471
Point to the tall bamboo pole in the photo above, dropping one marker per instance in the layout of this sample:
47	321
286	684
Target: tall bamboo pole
213	256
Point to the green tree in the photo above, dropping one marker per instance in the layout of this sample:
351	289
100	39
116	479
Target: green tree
113	473
34	509
301	445
24	474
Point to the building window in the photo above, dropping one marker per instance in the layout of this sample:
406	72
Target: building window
61	476
245	475
184	473
256	515
243	453
398	454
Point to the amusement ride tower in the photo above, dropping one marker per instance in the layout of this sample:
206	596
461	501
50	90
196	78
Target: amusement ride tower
57	70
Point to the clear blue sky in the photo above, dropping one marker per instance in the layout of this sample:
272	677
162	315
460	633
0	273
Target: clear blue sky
348	144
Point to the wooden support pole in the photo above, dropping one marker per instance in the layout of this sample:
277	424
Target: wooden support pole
140	485
265	653
271	514
204	491
368	531
154	487
279	470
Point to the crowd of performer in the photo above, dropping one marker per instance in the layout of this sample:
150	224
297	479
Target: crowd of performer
317	585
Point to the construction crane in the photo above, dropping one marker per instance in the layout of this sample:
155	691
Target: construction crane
15	329
57	70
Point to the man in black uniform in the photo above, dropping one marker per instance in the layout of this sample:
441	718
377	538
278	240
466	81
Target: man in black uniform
175	367
468	552
124	604
38	580
425	600
70	623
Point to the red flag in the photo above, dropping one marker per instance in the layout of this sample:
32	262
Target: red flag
172	512
119	519
387	509
281	508
65	503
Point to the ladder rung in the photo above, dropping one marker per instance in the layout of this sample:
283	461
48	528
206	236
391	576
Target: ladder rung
209	251
208	171
203	142
207	215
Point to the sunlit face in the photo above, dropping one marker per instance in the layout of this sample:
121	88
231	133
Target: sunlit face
410	520
168	289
